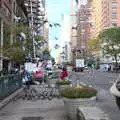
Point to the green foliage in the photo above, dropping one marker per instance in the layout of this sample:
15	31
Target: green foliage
15	51
94	45
81	92
62	82
17	28
39	38
15	54
6	36
111	40
46	51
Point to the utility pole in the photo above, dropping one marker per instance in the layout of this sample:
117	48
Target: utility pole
32	28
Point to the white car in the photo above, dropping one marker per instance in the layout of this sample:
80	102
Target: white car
115	90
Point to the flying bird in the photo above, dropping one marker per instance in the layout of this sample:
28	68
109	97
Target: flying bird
57	46
50	25
56	38
57	24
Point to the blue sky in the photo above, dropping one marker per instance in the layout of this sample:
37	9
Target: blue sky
55	10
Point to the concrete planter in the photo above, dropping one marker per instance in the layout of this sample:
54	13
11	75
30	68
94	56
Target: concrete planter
71	105
52	81
63	86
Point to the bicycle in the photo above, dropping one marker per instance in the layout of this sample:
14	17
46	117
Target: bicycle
54	92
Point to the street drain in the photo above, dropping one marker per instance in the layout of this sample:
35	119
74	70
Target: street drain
32	118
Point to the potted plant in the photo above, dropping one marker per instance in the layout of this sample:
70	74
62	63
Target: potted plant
63	84
75	97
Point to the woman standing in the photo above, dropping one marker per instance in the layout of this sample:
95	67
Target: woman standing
64	74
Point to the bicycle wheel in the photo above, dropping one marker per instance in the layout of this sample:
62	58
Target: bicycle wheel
50	94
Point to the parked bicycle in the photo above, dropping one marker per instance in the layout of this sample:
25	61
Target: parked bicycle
36	92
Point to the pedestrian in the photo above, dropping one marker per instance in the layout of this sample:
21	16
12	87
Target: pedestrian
28	79
64	74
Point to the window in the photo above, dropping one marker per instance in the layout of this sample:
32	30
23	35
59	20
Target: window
114	24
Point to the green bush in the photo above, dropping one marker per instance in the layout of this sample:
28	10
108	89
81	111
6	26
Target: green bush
79	92
62	82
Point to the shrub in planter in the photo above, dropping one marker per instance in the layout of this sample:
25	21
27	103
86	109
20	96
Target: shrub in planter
62	82
75	97
79	92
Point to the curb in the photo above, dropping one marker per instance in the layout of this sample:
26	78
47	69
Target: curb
9	98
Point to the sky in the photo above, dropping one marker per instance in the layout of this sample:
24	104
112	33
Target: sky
56	10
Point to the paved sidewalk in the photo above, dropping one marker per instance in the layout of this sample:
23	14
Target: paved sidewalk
39	110
36	110
48	110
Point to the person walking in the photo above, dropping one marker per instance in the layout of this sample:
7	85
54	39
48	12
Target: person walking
64	74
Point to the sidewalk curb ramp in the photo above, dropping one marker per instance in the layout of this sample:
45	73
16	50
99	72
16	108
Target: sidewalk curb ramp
9	98
91	113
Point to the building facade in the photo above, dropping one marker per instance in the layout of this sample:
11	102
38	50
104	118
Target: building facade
105	14
83	29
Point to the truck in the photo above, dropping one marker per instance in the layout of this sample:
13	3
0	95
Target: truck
79	67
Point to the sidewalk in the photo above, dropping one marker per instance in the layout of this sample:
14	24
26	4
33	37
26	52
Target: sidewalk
34	110
41	110
38	110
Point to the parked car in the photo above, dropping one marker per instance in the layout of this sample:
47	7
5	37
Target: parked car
115	90
38	76
85	67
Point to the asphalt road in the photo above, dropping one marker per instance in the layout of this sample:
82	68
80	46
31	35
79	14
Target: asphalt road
102	81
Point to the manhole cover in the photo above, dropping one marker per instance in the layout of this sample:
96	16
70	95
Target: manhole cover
32	118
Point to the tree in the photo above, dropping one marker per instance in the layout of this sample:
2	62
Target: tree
94	45
110	39
15	51
15	54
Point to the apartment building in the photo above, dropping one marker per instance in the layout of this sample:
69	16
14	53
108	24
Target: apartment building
115	12
36	13
105	14
96	17
74	14
83	31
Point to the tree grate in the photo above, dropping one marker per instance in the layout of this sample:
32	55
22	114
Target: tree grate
32	118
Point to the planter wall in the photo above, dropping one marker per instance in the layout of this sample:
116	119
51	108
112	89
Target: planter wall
63	86
52	81
71	105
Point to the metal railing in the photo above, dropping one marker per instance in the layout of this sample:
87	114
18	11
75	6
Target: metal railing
9	84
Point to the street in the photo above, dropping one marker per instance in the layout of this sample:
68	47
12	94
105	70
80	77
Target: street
54	110
102	81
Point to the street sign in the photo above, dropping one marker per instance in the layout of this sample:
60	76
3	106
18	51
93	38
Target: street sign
79	62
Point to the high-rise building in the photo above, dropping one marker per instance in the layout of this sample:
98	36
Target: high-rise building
105	13
115	12
83	28
74	12
96	17
36	17
80	29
